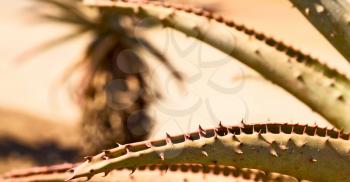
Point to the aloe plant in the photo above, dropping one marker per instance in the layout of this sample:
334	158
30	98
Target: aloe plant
310	153
113	94
300	151
161	172
317	85
331	18
312	82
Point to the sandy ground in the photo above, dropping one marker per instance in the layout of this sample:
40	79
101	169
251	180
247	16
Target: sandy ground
30	87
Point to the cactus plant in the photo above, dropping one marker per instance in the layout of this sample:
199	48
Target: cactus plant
301	151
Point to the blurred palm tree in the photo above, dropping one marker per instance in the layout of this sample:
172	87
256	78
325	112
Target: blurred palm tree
115	93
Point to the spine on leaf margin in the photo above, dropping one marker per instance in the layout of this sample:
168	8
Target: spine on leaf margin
305	152
331	18
60	173
323	89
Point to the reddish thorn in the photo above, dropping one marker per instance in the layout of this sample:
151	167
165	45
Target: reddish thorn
339	133
315	131
106	152
266	128
168	139
188	137
234	137
132	171
242	121
202	132
220	125
293	126
106	173
127	148
166	169
70	170
264	139
304	128
88	158
149	144
279	129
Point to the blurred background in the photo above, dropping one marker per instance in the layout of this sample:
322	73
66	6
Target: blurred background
40	119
